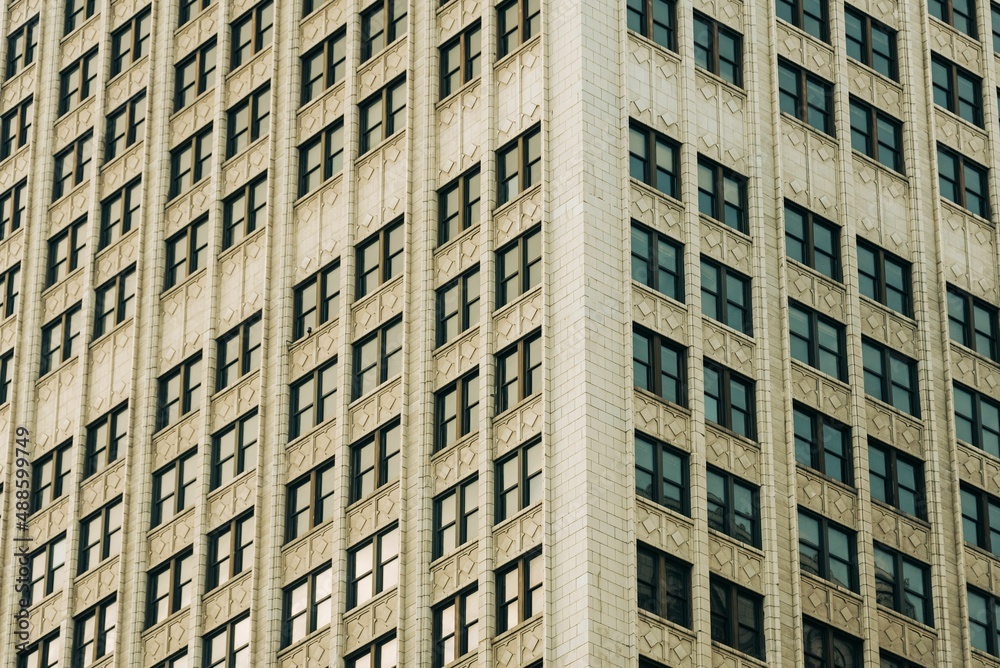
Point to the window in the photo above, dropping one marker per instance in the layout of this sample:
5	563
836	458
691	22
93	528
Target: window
191	161
191	8
663	585
654	159
826	647
813	241
805	96
458	206
890	377
827	550
381	653
313	399
321	157
244	211
984	621
179	391
659	365
47	567
519	480
44	653
100	536
13	208
733	507
249	120
977	420
887	660
229	645
22	46
73	164
130	42
661	473
64	253
6	375
974	323
59	337
897	479
316	300
519	266
722	194
519	165
373	566
519	591
870	42
903	584
957	90
95	633
725	296
239	352
230	550
234	449
15	128
519	371
377	358
729	400
823	444
655	20
115	302
460	60
381	24
383	115
10	290
718	49
456	517
170	587
379	258
77	82
106	440
963	182
173	488
456	627
737	617
48	476
959	14
186	252
458	306
809	15
120	213
308	605
657	262
817	341
310	500
517	22
195	74
456	411
877	135
324	65
981	519
252	33
375	460
995	11
125	126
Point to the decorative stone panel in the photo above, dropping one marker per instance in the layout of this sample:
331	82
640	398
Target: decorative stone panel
127	83
48	522
373	310
891	426
810	168
521	645
241	275
383	68
517	216
978	468
104	486
827	497
664	641
57	404
313	650
236	401
455	16
975	370
228	600
19	86
883	10
654	209
667	422
962	136
461	125
457	256
955	46
720	123
169	443
193	118
166	638
736	562
369	412
732	453
371	620
517	425
233	499
249	76
905	638
372	513
520	91
186	308
173	536
813	55
94	585
889	328
315	349
815	290
726	657
901	532
309	451
307	553
382	182
664	529
322	23
968	251
455	571
244	166
821	392
81	40
516	535
186	207
518	319
70	207
76	122
315	241
117	257
726	245
730	347
60	297
195	33
982	569
457	358
841	609
654	80
659	313
880	205
15	168
315	116
111	370
47	615
868	85
456	463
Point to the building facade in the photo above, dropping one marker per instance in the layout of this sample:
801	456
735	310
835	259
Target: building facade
545	332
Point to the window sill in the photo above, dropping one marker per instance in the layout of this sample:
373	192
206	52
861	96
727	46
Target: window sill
885	310
300	202
871	71
646	41
825	43
306	107
525	194
247	65
832	283
305	537
522	47
233	250
54	371
737	543
309	433
177	287
978	356
457	240
457	93
882	405
715	222
830	480
518	628
735	89
962	211
875	164
657	398
509	521
370	60
729	433
822	135
111	332
889	508
517	407
373	150
261	140
898	616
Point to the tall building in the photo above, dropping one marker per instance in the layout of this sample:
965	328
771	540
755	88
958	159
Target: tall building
549	332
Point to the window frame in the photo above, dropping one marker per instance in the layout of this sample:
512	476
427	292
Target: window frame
669	572
813	340
469	62
175	595
18	58
190	390
467	289
659	477
655	243
510	184
78	155
386	444
512	38
201	163
102	521
824	569
952	86
865	42
261	34
203	74
735	597
241	553
330	162
130	35
392	116
229	632
376	41
316	600
68	328
652	141
969	323
247	344
819	452
464	606
450	428
948	16
75	239
899	590
521	490
654	365
134	126
386	362
13	208
975	420
893	457
257	106
243	213
524	383
829	638
123	307
320	396
723	303
523	598
468	196
388	256
16	127
245	446
53	575
810	221
730	518
887	357
987	508
660	33
961	165
326	284
187	240
184	472
104	616
49	476
466	518
317	496
83	72
10	290
726	378
875	120
801	97
100	453
380	560
711	53
515	280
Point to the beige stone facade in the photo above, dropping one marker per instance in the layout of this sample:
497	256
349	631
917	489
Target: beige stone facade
231	331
